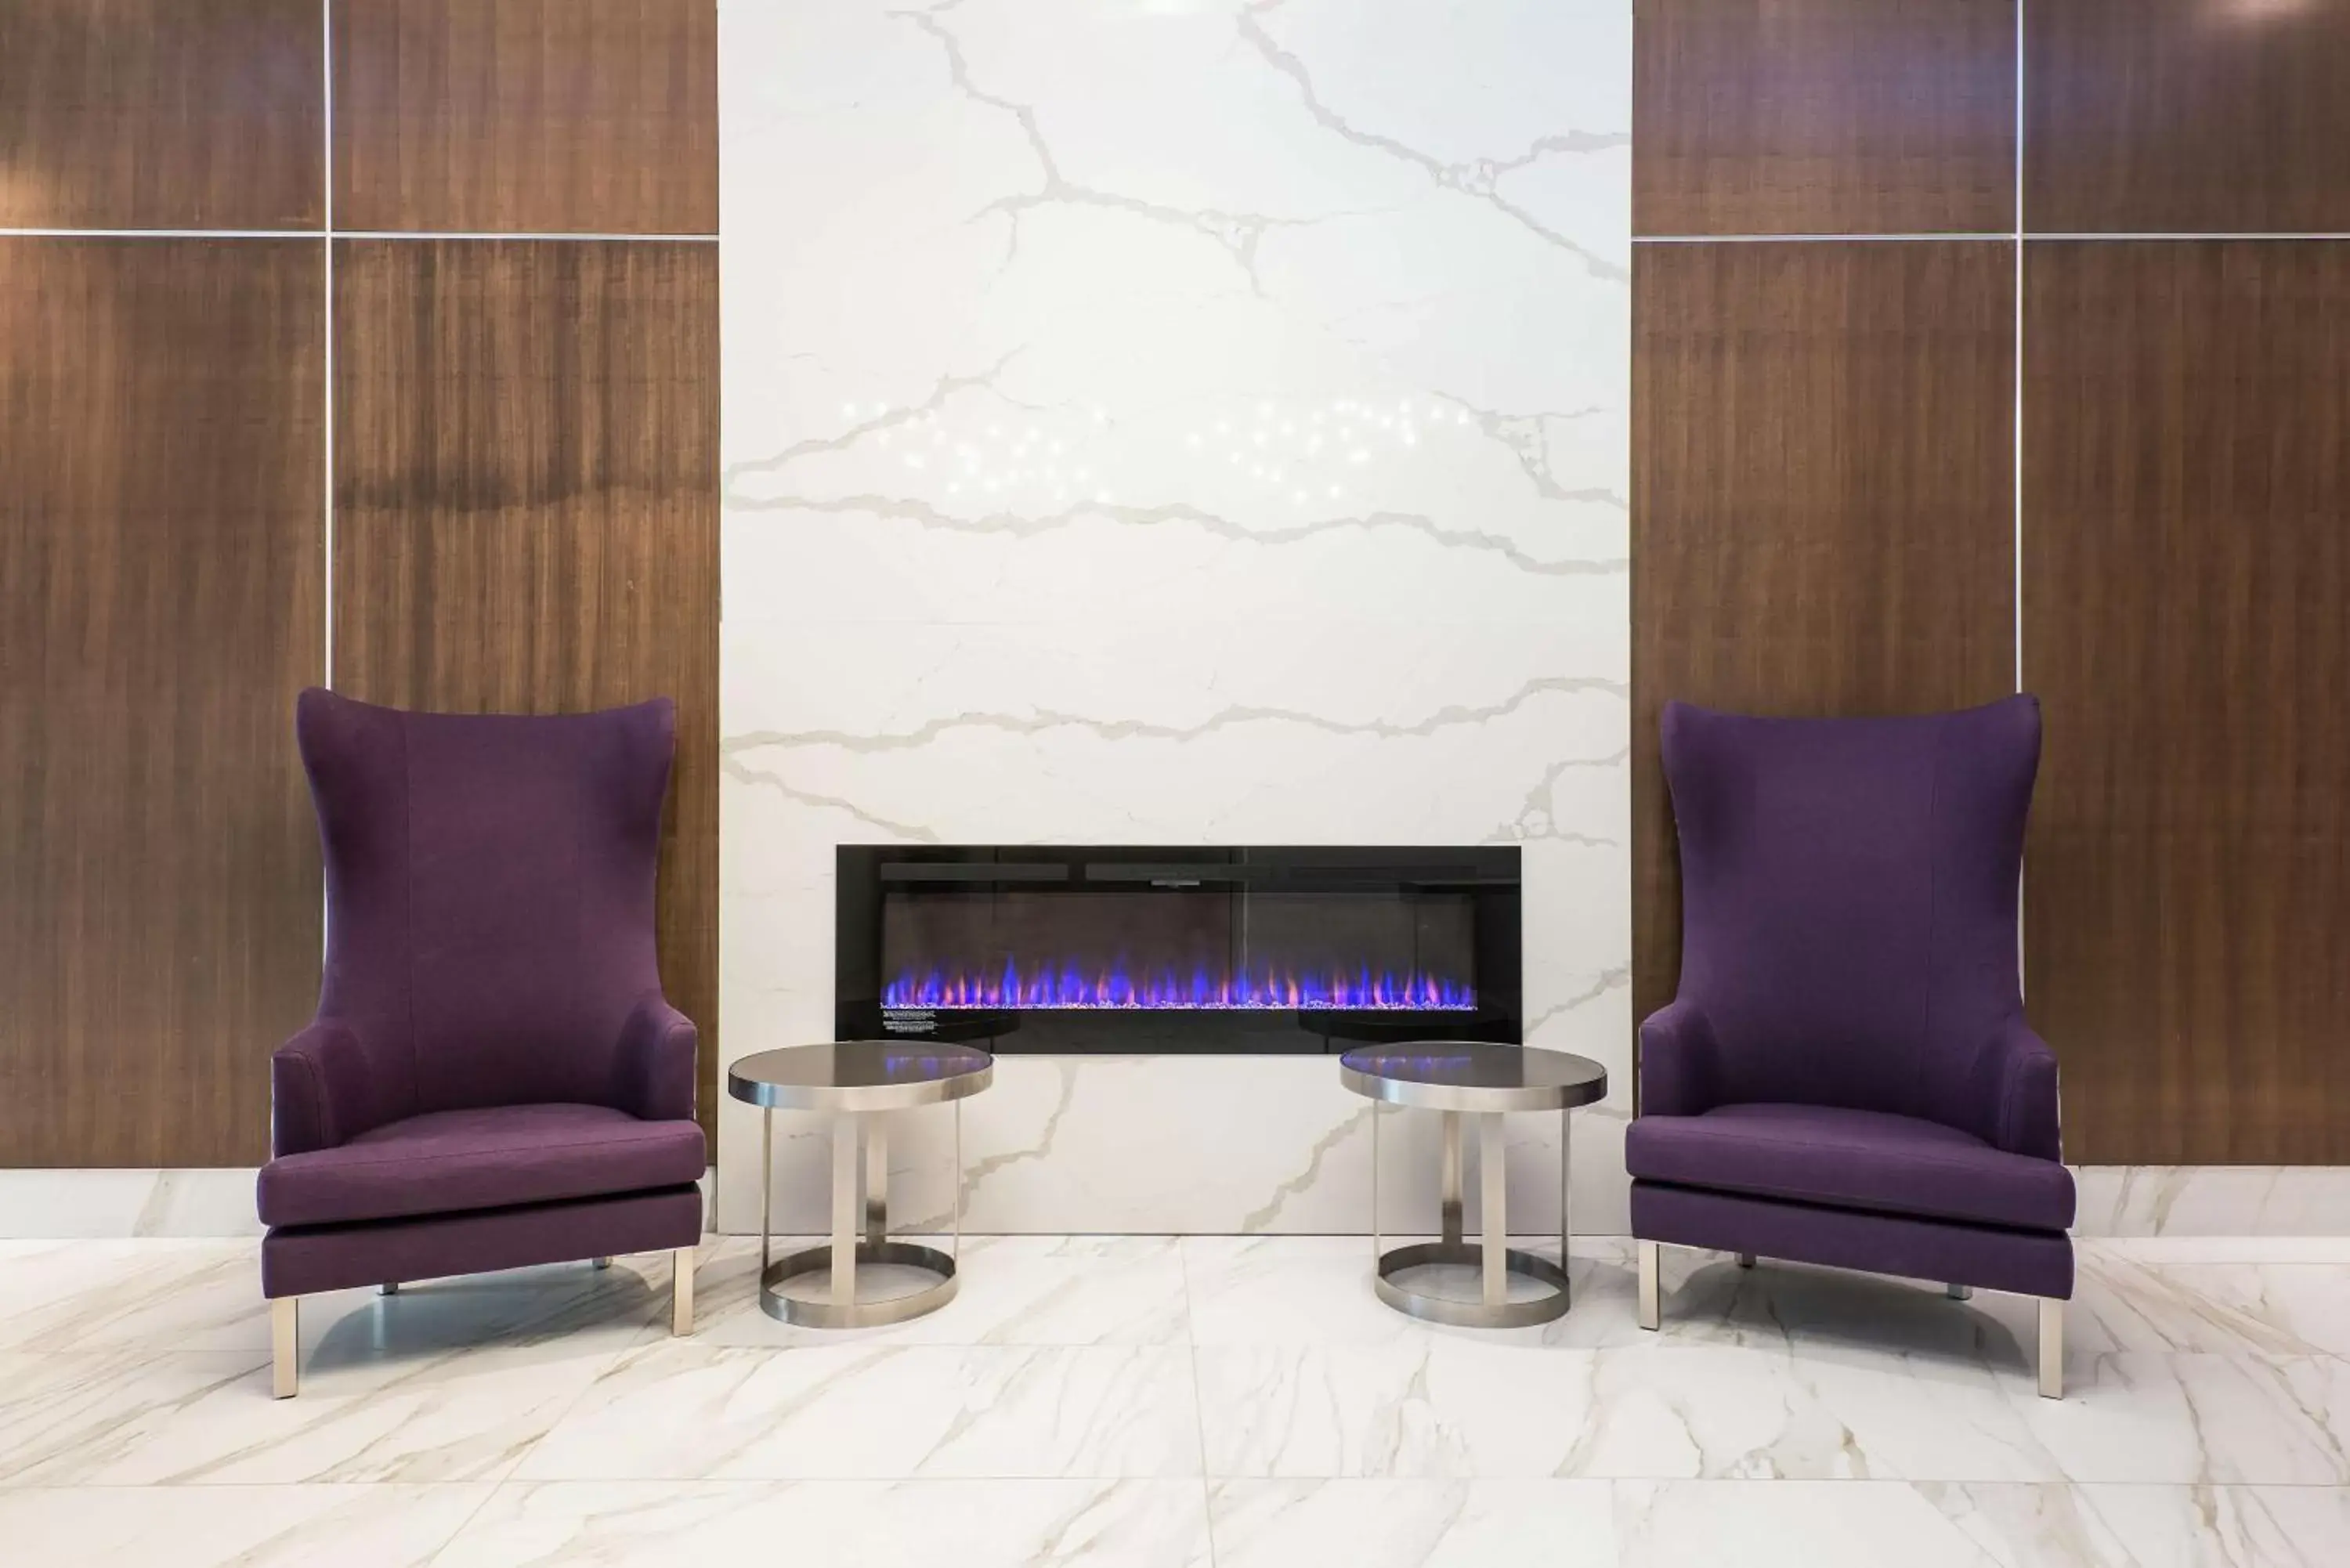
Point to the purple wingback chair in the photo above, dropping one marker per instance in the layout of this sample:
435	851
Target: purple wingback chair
494	1079
1846	1077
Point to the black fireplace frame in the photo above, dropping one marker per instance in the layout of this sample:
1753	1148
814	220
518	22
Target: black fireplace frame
1486	876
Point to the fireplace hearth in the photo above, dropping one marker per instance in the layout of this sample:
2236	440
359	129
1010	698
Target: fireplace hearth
1123	950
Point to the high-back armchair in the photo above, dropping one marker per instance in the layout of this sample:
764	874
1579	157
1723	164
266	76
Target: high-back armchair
1846	1077
494	1078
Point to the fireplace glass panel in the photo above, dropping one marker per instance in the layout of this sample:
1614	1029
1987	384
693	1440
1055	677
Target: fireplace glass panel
1253	950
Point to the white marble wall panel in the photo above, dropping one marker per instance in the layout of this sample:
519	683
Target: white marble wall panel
1174	421
1118	1145
2213	1201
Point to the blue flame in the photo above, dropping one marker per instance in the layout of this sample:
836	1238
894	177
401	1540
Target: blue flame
1065	987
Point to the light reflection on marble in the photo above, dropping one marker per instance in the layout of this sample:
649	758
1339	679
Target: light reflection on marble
1173	424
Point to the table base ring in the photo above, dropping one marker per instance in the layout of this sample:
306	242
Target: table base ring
1464	1312
823	1312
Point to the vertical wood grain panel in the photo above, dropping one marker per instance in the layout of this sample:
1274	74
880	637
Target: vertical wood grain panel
2186	604
526	116
1823	515
527	510
1823	117
162	114
163	444
2186	116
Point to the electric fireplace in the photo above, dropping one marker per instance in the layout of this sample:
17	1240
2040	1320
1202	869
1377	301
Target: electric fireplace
1124	951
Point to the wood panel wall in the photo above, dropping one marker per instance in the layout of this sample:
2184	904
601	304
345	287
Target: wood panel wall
1823	117
522	497
526	116
2185	452
526	509
1822	512
2187	906
162	114
162	455
2159	116
1823	428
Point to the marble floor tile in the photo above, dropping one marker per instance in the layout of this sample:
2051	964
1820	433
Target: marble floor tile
2219	1526
1140	1400
1424	1406
1437	1407
163	1295
2216	1249
1317	1290
1935	1524
684	1410
133	1419
839	1524
246	1527
2225	1308
1413	1524
1014	1290
2197	1418
1815	1412
172	1296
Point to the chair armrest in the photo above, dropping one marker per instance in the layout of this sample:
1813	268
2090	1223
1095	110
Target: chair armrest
655	1062
321	1089
2017	1081
1677	1061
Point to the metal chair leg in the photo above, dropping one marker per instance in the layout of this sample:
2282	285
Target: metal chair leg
285	1345
1745	1259
1959	1293
2052	1348
1651	1307
599	1262
391	1287
681	1295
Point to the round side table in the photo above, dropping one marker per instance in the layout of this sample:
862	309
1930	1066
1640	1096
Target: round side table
1486	1082
853	1082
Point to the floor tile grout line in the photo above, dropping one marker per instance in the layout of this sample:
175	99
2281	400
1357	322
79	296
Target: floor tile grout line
489	1497
1199	1398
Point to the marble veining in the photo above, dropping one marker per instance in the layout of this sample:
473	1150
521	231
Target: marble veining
1157	423
1157	1402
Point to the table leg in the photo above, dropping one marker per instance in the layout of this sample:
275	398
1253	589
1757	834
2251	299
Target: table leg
877	1182
767	1181
957	1253
1450	1206
1565	1169
844	1211
1376	1247
1492	1171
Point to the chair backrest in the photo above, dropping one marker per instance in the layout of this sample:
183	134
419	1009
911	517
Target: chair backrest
489	893
1848	890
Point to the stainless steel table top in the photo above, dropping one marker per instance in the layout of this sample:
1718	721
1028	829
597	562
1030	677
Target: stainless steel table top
1469	1075
859	1075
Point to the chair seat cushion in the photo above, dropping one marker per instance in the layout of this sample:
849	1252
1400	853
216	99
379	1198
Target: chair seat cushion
1852	1159
449	1162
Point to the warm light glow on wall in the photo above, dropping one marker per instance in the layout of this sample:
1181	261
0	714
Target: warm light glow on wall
2260	10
